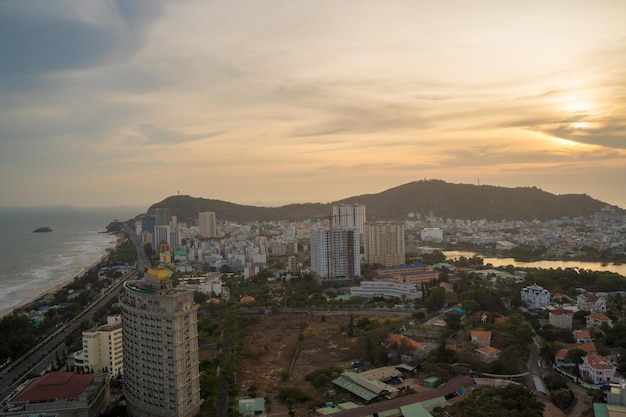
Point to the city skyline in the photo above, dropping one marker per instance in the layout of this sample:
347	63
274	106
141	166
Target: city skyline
127	103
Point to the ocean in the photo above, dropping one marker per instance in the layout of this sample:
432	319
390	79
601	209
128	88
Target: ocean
33	263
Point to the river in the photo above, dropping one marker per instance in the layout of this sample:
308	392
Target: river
594	266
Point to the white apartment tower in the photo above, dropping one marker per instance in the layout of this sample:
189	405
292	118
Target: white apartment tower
160	338
349	215
102	349
335	257
384	243
207	223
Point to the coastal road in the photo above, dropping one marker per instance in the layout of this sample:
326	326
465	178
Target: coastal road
53	348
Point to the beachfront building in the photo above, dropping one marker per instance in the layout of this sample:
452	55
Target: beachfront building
160	338
535	296
102	349
59	394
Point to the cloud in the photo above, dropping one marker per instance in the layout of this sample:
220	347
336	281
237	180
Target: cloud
152	135
36	38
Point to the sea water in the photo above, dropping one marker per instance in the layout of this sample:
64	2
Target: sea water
33	263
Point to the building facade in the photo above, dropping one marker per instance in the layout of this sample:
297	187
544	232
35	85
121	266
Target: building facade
384	243
160	339
102	349
386	289
335	255
349	215
535	296
208	224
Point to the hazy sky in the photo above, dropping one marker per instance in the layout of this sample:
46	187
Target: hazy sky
270	102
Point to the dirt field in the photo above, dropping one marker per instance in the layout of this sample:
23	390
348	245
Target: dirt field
271	345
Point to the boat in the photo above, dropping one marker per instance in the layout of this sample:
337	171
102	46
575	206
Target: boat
42	229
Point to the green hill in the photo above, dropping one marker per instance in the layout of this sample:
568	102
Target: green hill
457	201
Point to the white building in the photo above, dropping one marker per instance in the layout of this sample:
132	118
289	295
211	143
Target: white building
161	235
160	339
386	289
102	349
561	318
349	215
207	223
335	257
535	296
431	234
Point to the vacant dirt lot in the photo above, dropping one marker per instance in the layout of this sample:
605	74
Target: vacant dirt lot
270	351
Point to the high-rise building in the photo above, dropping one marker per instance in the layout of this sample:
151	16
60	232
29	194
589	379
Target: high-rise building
349	215
161	235
163	216
335	255
207	223
160	339
384	243
148	222
102	348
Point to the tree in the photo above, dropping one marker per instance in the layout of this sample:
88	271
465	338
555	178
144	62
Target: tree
453	321
436	300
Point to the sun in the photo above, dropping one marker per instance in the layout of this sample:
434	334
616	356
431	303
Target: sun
580	125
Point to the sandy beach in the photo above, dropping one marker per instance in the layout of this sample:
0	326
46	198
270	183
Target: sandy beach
55	288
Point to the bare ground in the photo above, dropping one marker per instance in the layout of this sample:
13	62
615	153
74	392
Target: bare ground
270	348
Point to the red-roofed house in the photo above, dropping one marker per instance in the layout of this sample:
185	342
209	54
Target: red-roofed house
588	347
488	354
481	337
407	348
592	303
597	319
560	358
599	368
65	393
247	299
582	336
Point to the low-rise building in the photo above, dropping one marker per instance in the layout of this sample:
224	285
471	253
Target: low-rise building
481	337
535	296
597	320
65	394
590	302
561	318
600	369
488	354
102	349
386	289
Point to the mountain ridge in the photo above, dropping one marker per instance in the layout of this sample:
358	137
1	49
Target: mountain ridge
437	197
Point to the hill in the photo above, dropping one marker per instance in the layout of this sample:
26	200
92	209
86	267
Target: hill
442	199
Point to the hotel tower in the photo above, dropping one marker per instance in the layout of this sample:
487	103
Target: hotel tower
160	340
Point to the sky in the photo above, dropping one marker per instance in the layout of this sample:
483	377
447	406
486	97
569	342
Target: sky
120	102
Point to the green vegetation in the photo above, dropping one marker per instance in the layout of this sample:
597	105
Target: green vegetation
511	400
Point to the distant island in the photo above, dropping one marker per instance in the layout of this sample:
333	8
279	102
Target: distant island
43	229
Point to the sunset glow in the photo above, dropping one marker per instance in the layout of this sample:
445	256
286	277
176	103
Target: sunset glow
281	102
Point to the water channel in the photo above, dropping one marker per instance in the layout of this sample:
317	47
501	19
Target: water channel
594	266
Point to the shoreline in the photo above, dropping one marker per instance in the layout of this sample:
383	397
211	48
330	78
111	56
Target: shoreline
55	288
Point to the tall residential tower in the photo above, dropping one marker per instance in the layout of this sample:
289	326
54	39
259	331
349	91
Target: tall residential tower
384	243
335	255
207	223
160	339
